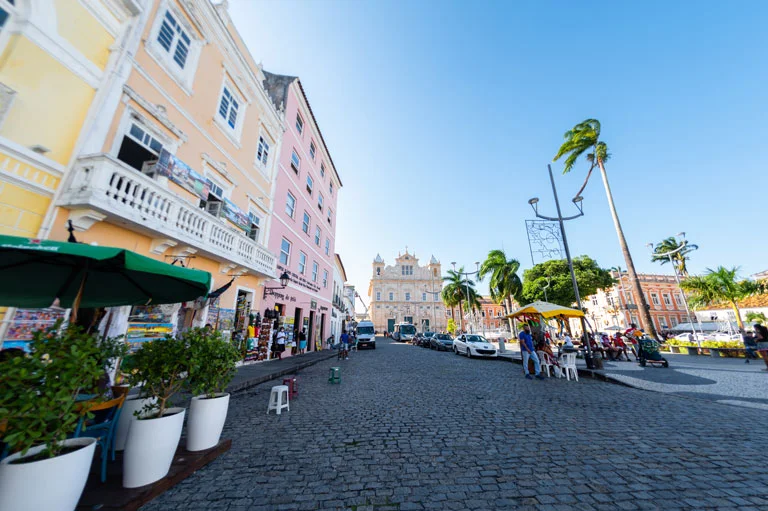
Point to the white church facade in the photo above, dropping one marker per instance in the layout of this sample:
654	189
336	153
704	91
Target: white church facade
407	293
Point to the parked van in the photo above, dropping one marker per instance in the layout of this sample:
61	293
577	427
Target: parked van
404	332
366	335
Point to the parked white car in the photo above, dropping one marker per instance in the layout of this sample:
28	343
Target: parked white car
473	345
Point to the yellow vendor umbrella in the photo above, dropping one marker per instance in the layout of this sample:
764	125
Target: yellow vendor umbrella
546	310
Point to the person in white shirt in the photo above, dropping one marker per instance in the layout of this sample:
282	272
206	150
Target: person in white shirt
280	342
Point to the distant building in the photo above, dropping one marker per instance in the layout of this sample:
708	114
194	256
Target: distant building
491	316
407	292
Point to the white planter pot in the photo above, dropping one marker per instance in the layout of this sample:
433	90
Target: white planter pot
53	484
150	448
206	420
132	404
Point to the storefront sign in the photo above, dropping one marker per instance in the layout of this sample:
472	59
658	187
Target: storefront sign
323	308
298	279
182	174
313	305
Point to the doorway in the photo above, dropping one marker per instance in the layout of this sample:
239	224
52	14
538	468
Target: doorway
321	335
391	325
310	331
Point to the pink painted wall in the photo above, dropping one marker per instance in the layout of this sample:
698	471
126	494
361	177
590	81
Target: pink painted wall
302	290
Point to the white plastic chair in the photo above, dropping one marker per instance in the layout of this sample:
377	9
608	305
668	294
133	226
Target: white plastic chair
545	362
276	401
569	366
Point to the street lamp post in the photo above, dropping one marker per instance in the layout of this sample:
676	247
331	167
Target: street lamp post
544	288
559	218
677	279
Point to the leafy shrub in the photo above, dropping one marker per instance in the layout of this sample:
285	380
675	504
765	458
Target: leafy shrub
160	367
39	390
212	361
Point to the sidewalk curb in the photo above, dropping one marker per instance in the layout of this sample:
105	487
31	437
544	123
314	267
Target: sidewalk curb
258	380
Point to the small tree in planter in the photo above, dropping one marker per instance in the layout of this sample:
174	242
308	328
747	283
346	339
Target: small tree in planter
161	368
39	409
212	362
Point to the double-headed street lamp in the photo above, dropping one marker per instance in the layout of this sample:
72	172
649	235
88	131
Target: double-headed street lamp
577	201
466	281
669	254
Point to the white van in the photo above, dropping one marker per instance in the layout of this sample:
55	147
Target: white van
404	332
366	335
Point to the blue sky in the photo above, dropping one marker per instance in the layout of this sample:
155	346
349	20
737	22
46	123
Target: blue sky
441	118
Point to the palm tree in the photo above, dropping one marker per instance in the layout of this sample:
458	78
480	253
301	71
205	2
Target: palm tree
452	293
585	136
757	317
678	258
719	286
460	291
505	283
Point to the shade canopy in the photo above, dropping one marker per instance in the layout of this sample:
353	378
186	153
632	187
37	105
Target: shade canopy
33	273
547	310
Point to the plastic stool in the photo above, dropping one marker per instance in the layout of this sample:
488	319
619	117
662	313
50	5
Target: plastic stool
335	375
293	386
276	399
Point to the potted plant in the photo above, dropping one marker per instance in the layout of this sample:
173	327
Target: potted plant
160	367
212	362
134	402
38	406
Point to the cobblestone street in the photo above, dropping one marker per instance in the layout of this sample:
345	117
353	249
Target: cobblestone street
410	428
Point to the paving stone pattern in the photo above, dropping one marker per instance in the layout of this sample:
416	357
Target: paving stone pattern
413	429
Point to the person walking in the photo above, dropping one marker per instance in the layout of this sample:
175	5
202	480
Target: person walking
344	352
303	342
761	336
527	348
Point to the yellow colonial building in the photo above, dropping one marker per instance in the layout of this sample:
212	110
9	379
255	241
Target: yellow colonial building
168	149
56	57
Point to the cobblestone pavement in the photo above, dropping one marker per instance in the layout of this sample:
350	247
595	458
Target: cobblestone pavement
411	429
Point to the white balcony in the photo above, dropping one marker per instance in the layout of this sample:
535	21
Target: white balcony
103	188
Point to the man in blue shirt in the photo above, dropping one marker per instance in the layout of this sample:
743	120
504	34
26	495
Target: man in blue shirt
526	346
344	352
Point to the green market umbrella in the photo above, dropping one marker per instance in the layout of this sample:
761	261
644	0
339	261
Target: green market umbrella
33	273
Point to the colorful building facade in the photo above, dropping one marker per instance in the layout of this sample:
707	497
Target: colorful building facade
58	60
303	233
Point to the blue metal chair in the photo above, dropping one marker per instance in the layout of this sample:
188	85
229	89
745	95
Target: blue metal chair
102	427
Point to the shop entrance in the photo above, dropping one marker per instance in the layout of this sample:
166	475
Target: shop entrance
391	325
321	331
297	326
311	332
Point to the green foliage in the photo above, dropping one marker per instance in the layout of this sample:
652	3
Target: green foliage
582	137
160	367
460	291
721	285
678	258
37	397
757	317
212	361
505	283
589	277
451	326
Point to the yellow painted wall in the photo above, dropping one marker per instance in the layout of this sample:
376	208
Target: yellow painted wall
51	102
78	26
21	211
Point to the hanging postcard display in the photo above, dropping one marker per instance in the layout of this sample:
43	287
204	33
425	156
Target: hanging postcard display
149	323
236	216
26	321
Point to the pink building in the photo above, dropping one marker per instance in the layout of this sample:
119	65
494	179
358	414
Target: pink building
303	228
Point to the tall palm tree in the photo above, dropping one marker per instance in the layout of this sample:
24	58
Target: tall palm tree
719	286
460	291
678	258
452	293
505	283
583	137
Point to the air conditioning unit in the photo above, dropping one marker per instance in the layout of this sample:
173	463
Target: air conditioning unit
214	207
